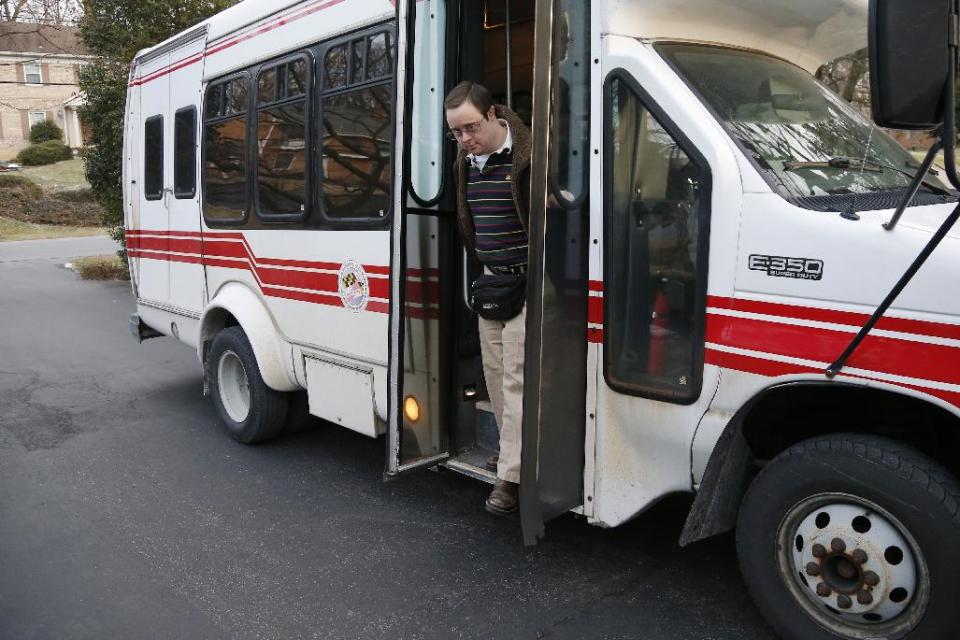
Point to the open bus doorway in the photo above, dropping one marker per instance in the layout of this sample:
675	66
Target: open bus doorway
490	42
436	370
496	51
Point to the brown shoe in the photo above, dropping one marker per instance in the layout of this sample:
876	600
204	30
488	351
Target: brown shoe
491	463
503	498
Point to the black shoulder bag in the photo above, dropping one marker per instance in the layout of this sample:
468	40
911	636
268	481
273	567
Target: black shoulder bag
499	296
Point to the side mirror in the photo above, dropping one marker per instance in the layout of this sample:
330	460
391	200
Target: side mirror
909	61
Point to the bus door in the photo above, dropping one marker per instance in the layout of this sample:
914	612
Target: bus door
422	267
154	117
424	261
169	220
555	376
182	194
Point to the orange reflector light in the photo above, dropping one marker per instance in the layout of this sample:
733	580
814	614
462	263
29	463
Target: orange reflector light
411	408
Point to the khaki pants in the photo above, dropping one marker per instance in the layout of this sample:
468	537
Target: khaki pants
501	347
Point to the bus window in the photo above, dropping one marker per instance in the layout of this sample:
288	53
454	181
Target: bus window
357	129
427	129
153	158
185	153
225	193
653	313
281	186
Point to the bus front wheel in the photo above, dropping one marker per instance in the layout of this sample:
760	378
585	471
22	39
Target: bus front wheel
251	411
853	537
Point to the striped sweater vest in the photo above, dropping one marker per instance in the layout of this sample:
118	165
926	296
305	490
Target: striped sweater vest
501	240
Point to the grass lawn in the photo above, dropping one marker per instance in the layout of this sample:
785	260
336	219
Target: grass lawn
60	176
16	230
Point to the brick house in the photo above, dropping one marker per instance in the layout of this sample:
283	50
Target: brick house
39	80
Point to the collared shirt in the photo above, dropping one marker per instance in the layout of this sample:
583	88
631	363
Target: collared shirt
481	161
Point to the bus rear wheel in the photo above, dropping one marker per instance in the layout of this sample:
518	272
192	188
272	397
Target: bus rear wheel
251	411
850	536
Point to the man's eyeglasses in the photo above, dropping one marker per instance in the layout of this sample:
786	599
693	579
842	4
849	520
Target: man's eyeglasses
468	130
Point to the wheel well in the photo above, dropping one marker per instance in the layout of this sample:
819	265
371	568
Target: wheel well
787	415
217	321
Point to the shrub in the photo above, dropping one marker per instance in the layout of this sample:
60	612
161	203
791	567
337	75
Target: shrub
23	200
13	186
45	131
101	268
44	153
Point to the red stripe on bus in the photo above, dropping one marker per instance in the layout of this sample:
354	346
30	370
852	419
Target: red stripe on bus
876	353
833	316
595	310
149	255
751	364
773	368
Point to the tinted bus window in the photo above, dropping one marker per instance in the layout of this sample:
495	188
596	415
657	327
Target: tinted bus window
185	153
653	273
282	141
225	153
153	158
357	129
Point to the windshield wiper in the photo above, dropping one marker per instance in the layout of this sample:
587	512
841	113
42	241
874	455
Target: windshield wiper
857	164
839	162
927	180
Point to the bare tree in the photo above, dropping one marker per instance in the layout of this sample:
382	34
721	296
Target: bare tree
55	12
10	10
848	76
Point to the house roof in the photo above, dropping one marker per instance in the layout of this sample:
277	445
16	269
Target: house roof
27	37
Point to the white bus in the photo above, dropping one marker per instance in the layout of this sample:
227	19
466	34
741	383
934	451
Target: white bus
706	240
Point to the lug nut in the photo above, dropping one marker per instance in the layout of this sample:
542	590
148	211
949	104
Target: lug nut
838	545
819	551
813	569
823	590
865	597
844	601
871	579
860	556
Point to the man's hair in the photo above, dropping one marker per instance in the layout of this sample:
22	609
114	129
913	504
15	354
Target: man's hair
472	92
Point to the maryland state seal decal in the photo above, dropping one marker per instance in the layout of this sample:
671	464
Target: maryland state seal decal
354	289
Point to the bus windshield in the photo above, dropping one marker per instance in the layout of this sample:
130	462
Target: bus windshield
805	139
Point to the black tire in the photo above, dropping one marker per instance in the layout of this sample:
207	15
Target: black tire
894	488
266	413
299	418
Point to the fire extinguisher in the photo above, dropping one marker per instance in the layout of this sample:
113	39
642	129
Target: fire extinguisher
659	321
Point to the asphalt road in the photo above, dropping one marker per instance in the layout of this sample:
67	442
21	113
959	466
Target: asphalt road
126	513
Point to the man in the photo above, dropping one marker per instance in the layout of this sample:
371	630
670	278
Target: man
493	185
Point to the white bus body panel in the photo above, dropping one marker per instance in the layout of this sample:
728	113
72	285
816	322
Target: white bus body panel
643	446
808	33
187	283
298	26
154	275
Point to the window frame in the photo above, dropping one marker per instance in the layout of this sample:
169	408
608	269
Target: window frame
178	193
248	126
698	338
308	98
358	222
448	78
153	197
30	115
39	74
